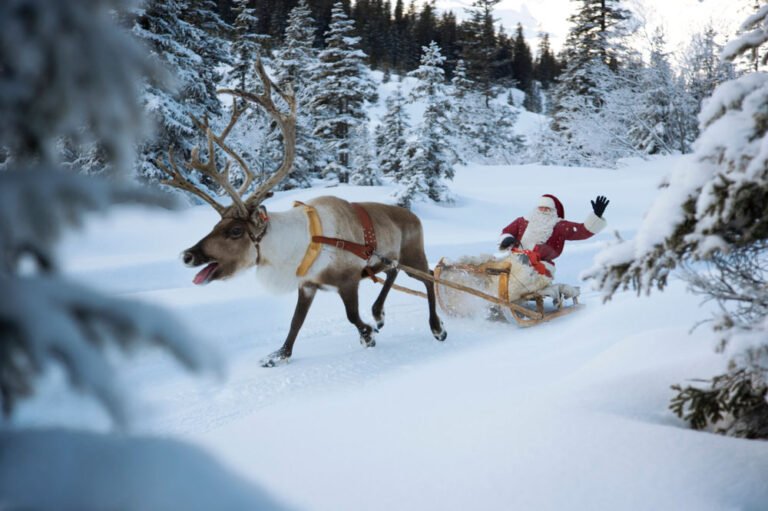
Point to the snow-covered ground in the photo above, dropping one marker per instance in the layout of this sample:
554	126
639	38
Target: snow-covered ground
570	414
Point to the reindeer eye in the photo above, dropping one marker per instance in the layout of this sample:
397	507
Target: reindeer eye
236	232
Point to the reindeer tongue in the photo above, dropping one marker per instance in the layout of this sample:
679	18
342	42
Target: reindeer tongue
205	274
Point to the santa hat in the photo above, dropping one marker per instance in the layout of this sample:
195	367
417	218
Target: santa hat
552	202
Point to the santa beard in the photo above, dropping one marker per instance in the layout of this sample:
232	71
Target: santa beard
539	229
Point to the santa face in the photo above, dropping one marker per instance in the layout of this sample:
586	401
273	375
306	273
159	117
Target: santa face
541	222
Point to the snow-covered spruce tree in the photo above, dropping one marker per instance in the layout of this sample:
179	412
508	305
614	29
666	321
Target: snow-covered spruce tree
478	43
391	134
711	217
297	55
208	42
52	50
652	126
507	147
365	170
293	63
586	134
464	102
191	55
598	28
429	155
594	48
341	87
246	47
252	138
702	71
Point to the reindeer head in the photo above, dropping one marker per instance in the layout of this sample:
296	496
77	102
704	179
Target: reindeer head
232	245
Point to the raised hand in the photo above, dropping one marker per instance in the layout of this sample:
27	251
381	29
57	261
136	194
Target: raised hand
599	205
509	241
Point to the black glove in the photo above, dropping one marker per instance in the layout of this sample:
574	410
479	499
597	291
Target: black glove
599	205
509	241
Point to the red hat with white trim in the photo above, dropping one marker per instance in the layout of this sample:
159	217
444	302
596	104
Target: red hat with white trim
552	202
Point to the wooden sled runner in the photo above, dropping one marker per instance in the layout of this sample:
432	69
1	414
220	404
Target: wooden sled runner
526	309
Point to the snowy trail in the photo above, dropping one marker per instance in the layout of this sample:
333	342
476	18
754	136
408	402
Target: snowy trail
136	256
570	414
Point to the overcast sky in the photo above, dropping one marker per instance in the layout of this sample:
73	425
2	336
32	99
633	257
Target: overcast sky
678	17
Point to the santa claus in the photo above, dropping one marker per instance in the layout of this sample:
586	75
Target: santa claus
541	235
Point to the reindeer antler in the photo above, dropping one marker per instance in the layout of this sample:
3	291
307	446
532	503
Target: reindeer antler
179	181
287	123
209	167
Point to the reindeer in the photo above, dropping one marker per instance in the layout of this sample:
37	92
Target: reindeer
358	240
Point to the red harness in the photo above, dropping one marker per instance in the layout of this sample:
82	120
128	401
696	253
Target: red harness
369	236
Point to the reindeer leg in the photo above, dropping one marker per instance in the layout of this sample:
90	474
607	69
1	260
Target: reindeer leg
306	295
348	295
435	324
378	305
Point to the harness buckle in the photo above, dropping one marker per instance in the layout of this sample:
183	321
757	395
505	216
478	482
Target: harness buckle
340	244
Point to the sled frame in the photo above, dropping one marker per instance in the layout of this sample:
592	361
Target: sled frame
519	311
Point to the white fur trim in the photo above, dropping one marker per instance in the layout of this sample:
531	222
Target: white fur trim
547	202
503	237
594	223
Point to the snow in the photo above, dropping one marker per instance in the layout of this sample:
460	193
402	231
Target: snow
570	414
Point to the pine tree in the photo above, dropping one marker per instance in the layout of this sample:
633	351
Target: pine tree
479	45
522	64
82	331
464	102
297	54
448	39
342	85
546	67
717	227
391	134
503	71
193	55
429	156
594	41
507	146
425	28
702	72
372	19
594	52
293	64
652	127
365	171
246	47
206	39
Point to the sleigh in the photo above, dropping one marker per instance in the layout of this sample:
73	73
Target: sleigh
507	288
510	287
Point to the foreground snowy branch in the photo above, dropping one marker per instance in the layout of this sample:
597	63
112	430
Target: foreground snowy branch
45	319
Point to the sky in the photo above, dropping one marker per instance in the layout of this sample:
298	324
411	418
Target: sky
679	18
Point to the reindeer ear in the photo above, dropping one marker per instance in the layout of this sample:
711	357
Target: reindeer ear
259	215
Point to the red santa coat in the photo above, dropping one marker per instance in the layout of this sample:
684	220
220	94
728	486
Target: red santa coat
562	231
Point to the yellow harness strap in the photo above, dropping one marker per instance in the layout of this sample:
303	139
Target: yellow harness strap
315	229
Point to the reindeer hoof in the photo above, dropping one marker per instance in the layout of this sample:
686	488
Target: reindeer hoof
440	333
275	359
366	338
379	322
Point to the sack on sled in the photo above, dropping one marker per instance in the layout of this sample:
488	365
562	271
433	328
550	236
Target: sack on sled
509	278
